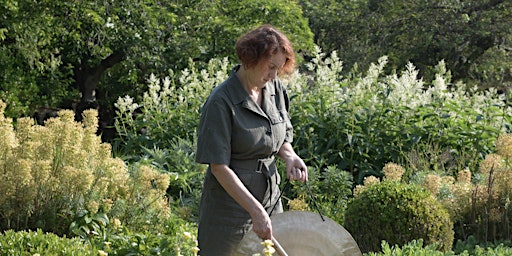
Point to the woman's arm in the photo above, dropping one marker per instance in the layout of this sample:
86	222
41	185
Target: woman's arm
236	189
296	169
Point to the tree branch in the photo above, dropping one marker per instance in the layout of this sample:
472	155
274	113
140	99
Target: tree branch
87	78
485	6
109	62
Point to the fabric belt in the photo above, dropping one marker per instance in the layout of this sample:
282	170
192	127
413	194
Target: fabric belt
266	166
263	165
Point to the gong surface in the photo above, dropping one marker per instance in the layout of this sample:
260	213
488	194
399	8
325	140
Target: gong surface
303	233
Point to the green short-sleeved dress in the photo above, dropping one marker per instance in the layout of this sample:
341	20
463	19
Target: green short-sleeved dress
235	131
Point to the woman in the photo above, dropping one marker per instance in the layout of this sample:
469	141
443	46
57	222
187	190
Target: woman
244	124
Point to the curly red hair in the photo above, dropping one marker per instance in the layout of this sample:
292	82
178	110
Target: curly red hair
261	44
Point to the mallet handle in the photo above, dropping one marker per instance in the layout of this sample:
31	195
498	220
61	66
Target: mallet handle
279	249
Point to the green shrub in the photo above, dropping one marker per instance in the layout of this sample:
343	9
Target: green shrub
186	176
471	246
416	248
177	238
397	213
30	243
53	173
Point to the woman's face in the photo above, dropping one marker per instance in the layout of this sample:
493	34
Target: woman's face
267	70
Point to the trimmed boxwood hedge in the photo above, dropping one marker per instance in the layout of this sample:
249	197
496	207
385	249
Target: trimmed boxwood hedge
397	213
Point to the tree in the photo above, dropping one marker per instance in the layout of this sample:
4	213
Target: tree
53	51
63	45
422	32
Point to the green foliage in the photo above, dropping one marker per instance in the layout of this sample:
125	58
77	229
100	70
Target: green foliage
186	176
170	104
33	63
492	69
416	248
178	161
161	129
463	33
209	29
177	237
363	121
54	46
472	247
397	213
329	189
179	240
53	173
86	224
50	51
478	200
29	243
171	236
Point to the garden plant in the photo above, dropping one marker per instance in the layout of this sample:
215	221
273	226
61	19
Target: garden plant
140	194
406	116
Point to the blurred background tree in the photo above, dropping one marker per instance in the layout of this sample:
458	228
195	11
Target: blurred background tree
85	54
472	37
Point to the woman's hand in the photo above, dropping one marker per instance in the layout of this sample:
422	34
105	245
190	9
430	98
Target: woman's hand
296	169
262	226
234	187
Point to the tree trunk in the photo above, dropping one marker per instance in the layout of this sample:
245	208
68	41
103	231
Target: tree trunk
87	79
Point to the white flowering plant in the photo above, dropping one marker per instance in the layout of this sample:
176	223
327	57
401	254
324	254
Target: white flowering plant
359	122
169	109
160	129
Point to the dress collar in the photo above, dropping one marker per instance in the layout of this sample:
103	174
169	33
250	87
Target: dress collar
240	96
237	91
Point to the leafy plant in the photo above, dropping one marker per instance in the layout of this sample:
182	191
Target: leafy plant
29	243
397	213
169	110
414	247
173	236
478	200
161	130
177	238
362	121
417	248
53	173
87	225
327	191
